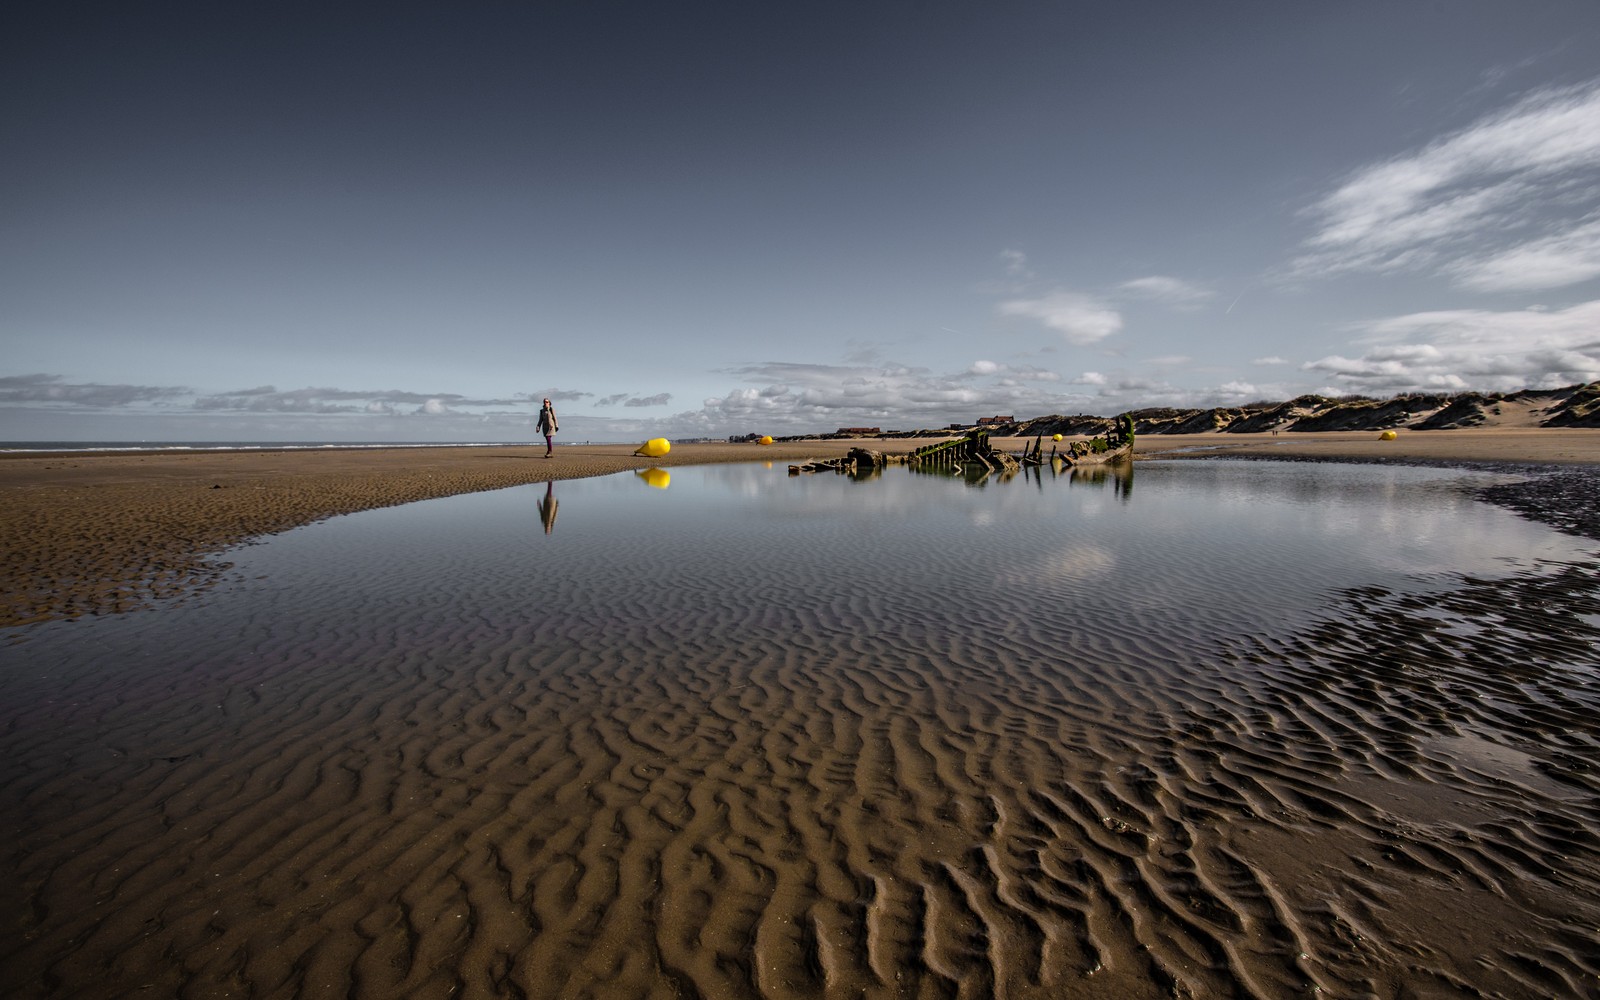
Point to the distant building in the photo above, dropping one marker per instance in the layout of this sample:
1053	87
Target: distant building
860	431
985	421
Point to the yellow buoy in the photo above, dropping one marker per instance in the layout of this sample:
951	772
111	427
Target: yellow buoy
654	448
1387	436
659	478
1056	438
766	439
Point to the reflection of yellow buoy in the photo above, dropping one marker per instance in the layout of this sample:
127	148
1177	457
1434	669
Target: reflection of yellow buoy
1056	438
654	448
766	439
1387	436
659	478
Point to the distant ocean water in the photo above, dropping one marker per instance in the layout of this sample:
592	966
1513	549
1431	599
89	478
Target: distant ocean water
26	446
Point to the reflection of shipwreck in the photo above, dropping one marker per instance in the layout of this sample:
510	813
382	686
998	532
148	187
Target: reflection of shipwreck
972	454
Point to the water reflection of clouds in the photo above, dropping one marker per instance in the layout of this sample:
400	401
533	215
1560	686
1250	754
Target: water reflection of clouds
1406	520
1077	564
1194	531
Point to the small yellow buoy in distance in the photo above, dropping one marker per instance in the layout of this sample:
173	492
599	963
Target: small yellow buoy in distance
1056	438
1387	436
766	439
659	478
654	448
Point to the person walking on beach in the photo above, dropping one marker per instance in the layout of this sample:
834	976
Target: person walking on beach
548	426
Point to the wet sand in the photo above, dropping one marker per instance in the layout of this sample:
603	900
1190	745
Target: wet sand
1400	803
107	532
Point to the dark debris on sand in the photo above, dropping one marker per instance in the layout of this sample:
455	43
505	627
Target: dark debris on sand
1565	498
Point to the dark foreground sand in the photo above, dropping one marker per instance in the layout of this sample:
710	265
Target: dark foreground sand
1402	803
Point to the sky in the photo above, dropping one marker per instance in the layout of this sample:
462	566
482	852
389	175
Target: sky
412	222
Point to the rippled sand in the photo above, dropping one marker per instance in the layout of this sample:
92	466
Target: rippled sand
704	796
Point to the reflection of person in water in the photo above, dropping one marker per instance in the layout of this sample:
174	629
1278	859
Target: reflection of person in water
547	507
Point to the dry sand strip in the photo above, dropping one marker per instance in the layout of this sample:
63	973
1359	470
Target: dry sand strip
96	533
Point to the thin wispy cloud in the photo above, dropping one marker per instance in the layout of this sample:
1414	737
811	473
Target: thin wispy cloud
1562	258
1509	203
1452	350
46	390
659	399
1174	292
1016	264
798	398
54	390
323	400
1080	319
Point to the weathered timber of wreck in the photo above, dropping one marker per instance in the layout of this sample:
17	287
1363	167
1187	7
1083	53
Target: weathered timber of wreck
973	451
972	448
1115	443
856	460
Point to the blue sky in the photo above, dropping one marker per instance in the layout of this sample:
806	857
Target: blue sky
411	222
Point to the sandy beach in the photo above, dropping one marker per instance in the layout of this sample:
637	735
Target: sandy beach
337	792
106	532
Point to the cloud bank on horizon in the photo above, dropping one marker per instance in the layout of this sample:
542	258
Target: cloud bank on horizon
1121	253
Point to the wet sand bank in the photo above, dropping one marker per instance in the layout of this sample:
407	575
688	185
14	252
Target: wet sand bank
106	532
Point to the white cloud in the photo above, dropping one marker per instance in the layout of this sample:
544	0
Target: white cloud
1014	375
1453	350
1016	263
800	398
1489	206
1081	319
1271	360
1562	258
1174	292
53	390
659	399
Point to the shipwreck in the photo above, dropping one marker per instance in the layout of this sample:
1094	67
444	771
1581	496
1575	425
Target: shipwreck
973	452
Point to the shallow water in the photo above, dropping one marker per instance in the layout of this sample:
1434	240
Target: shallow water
1217	727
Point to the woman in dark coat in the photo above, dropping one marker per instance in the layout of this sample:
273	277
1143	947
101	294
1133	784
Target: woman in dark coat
548	426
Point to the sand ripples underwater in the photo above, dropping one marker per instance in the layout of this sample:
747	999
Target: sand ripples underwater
735	778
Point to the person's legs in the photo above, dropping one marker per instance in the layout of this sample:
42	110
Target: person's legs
549	446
